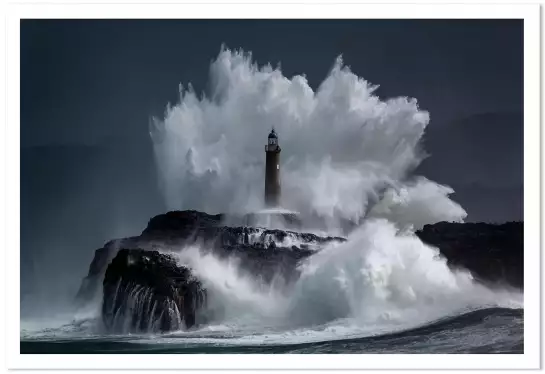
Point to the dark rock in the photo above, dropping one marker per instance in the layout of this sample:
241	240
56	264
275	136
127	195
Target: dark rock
147	291
152	276
493	253
182	223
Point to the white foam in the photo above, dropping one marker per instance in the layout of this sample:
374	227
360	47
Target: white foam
341	145
275	211
381	280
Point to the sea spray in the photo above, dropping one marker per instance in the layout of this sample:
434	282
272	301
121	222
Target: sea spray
380	280
343	146
347	155
383	276
234	295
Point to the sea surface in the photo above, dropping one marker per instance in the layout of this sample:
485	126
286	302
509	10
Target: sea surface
491	330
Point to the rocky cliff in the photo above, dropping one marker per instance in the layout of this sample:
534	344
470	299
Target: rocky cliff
493	253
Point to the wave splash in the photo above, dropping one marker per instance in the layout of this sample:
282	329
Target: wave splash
342	146
380	281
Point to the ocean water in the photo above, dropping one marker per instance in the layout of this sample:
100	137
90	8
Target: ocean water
492	330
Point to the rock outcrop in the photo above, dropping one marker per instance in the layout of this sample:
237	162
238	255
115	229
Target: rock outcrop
143	288
149	291
493	253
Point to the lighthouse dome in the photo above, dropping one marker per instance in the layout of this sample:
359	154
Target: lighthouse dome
273	135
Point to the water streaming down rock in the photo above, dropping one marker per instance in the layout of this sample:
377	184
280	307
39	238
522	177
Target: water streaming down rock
147	291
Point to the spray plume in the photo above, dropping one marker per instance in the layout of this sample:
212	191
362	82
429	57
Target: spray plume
343	147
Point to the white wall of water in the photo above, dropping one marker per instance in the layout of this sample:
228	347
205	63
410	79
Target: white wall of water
341	145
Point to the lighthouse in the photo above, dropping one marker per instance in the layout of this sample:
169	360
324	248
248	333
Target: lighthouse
272	171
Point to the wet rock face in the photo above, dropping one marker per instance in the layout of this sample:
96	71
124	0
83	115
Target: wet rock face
493	253
262	252
146	291
183	224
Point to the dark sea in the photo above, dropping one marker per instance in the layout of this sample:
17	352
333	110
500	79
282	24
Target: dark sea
491	330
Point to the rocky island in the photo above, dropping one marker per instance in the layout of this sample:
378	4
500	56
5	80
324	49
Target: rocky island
144	288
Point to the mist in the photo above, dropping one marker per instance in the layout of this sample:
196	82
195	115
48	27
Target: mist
73	200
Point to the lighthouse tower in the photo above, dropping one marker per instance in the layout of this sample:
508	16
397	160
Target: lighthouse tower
272	171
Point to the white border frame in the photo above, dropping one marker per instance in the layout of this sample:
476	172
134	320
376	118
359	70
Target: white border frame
531	15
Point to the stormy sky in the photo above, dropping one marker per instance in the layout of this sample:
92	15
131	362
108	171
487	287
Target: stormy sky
90	87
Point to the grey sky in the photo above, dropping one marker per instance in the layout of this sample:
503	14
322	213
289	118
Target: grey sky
87	81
